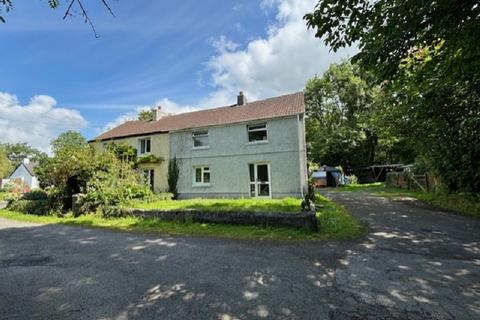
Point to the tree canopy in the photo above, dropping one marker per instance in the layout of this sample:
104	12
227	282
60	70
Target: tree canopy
16	152
5	164
68	140
344	122
424	55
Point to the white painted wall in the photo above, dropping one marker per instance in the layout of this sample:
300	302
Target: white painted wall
22	173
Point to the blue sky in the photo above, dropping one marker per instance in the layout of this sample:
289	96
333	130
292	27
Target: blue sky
184	55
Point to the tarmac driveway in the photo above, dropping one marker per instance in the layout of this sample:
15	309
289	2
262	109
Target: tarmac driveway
415	264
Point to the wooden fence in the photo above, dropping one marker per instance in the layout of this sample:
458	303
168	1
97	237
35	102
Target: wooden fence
407	180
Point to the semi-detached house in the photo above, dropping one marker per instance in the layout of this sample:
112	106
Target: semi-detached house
250	149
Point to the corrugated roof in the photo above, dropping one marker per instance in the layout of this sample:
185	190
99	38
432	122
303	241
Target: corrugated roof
282	106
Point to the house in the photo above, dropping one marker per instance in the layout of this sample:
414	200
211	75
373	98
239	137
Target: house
24	173
249	149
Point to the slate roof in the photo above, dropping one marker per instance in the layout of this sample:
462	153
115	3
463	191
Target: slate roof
282	106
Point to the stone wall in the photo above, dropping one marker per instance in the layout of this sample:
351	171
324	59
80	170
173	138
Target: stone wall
301	220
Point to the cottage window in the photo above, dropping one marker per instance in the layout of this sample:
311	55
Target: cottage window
200	139
202	175
257	132
144	145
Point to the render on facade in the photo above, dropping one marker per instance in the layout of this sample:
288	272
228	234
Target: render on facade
254	149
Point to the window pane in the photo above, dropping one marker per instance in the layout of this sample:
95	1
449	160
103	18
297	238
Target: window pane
252	172
198	175
142	146
262	172
152	179
257	135
147	148
200	141
252	190
264	190
206	177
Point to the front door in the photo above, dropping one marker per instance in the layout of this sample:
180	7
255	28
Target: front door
260	180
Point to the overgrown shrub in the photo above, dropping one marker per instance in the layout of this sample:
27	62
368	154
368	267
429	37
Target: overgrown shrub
37	207
36	195
117	184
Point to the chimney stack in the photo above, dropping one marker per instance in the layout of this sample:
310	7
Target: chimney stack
159	114
26	161
241	99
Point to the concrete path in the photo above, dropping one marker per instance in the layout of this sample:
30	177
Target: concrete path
415	264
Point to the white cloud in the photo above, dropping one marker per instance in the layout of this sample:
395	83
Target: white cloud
279	63
36	123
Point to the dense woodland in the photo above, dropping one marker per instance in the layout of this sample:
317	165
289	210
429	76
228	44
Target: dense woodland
412	93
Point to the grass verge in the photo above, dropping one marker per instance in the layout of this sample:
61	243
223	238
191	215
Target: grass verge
460	203
335	223
269	205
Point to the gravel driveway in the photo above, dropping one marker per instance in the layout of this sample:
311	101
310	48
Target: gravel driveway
415	264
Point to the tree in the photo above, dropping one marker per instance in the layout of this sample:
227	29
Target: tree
5	164
343	122
7	5
425	55
173	174
146	115
16	152
68	140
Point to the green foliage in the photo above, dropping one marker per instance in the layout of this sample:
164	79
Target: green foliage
36	207
5	164
16	152
36	195
123	152
146	115
116	184
344	125
149	159
425	55
77	167
69	140
173	174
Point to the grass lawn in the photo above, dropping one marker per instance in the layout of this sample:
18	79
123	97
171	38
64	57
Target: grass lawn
461	203
335	223
248	204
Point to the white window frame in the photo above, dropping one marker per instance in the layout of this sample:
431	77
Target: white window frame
144	140
257	130
204	169
257	183
200	133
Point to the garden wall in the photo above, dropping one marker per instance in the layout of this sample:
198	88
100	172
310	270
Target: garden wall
301	220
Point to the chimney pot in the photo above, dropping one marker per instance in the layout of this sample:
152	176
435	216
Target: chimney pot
26	161
241	99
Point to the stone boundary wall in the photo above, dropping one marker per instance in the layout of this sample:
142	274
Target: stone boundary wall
300	220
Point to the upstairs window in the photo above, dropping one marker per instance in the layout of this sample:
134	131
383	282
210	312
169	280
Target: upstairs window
200	139
144	146
257	132
202	175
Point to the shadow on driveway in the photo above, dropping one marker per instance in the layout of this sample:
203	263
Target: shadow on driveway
415	264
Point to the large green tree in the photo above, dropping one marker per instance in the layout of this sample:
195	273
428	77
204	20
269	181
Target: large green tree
68	140
16	152
345	123
425	55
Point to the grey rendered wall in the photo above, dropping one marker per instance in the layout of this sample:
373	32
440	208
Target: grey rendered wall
230	153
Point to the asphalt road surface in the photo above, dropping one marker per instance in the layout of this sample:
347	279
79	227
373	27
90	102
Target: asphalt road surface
416	263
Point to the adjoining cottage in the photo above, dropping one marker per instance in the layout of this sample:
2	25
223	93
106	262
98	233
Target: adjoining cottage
250	149
23	173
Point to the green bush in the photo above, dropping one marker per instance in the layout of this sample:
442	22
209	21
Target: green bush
36	195
36	207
